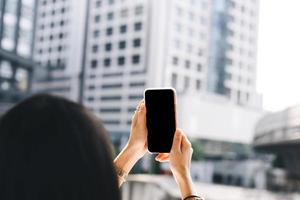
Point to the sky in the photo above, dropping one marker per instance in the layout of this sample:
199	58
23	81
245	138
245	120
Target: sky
278	61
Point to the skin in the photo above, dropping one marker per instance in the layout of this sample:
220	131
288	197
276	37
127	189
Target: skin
136	148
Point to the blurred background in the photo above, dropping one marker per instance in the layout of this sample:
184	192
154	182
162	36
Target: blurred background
234	64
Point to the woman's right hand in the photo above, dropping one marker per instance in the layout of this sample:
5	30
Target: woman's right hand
180	162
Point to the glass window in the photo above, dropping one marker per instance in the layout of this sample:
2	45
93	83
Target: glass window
186	82
22	77
187	64
27	12
109	31
98	3
136	59
138	26
24	36
123	29
229	61
137	84
137	42
122	44
174	80
92	87
60	35
175	60
198	84
124	12
59	48
97	18
111	122
110	98
179	11
110	16
62	22
107	62
199	67
94	63
121	60
108	86
11	6
139	10
108	47
90	98
135	96
6	69
110	110
96	33
95	48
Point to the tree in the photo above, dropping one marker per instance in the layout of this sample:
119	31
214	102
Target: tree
198	153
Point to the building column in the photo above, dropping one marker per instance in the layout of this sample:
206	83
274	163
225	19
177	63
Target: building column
2	9
17	29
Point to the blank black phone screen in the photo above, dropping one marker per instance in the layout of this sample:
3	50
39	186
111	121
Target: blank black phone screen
161	119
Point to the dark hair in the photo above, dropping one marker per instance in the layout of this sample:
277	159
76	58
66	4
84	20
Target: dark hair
54	149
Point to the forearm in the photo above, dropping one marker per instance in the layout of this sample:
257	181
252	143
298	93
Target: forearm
126	160
186	185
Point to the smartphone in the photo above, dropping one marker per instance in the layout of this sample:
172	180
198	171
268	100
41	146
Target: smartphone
161	119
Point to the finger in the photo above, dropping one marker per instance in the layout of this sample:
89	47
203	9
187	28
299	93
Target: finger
139	105
135	115
142	113
163	154
176	146
142	107
162	157
134	118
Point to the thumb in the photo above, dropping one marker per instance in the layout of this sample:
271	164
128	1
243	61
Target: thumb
186	144
176	146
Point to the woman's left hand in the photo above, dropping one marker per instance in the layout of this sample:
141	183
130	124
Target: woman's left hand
136	146
138	134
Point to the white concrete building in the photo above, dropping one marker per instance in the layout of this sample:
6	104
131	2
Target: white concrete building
59	46
137	44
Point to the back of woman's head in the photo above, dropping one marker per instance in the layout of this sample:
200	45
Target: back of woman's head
51	148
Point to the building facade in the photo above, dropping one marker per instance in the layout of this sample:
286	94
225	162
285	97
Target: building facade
16	41
59	46
125	46
193	46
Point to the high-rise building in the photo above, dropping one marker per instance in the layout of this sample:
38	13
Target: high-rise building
193	46
59	46
16	41
232	70
137	44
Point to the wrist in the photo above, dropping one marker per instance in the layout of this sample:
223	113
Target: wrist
127	158
137	151
183	177
185	183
